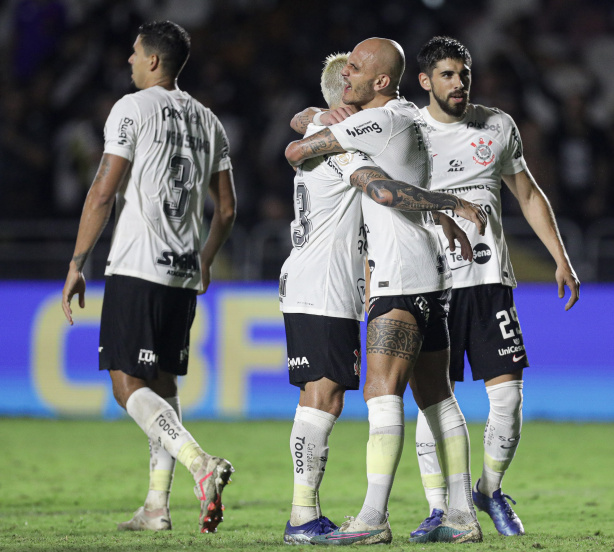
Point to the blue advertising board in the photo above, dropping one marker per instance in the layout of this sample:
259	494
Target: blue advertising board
238	364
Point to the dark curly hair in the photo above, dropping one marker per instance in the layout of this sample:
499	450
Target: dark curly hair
439	48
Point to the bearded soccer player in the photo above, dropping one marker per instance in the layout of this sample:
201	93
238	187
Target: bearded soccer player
163	152
322	294
407	334
485	144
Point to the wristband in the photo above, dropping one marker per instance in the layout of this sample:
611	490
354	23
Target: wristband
317	117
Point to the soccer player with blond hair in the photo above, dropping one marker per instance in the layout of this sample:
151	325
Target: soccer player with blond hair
322	295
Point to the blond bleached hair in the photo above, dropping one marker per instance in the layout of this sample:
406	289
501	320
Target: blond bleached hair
332	83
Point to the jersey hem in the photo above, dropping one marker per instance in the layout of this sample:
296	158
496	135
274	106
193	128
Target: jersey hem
149	278
319	312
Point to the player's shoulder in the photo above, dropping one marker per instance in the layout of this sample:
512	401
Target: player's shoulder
488	118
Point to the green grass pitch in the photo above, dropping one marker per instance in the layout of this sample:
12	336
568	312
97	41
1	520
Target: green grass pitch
64	485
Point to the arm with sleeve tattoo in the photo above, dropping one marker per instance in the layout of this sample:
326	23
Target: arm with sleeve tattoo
320	143
399	195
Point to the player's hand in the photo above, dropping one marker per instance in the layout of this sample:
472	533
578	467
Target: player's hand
566	276
454	233
474	213
75	284
205	275
337	115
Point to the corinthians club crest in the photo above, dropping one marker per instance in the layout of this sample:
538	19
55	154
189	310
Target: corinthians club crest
483	153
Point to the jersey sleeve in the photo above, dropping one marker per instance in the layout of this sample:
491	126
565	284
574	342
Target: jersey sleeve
513	160
367	131
349	163
221	153
120	130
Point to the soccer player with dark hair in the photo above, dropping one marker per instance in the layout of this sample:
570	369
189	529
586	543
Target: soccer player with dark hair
407	333
474	149
322	295
163	153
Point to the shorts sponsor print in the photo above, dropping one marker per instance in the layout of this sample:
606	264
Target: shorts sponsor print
323	346
484	325
145	327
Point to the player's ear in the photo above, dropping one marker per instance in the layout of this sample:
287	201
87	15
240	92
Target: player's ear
424	81
381	82
154	62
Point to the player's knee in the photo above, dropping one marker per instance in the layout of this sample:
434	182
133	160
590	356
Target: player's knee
506	398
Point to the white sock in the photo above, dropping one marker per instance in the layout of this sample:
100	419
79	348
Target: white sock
384	449
161	468
450	431
502	433
432	480
161	424
309	450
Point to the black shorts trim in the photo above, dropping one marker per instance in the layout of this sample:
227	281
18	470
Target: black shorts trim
145	327
323	347
429	309
484	324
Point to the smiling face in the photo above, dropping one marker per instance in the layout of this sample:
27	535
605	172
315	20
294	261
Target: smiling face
140	64
448	87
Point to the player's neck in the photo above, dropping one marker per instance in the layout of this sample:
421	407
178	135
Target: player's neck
379	101
163	82
440	115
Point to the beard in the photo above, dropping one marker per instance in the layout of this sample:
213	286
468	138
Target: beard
359	95
454	110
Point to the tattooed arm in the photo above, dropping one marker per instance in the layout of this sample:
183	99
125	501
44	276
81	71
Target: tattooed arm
301	120
398	195
111	173
320	143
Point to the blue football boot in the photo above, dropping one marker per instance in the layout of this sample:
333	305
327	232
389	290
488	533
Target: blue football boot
498	508
434	520
303	534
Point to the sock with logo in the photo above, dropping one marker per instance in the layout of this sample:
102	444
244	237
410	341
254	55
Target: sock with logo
161	424
161	468
432	480
450	431
502	433
309	449
384	448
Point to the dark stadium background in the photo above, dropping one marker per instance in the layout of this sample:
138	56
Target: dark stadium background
255	63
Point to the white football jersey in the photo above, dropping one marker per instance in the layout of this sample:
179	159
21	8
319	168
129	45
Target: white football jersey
469	158
175	144
405	254
325	272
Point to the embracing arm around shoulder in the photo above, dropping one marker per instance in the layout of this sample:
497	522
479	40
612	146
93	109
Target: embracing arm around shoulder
385	191
301	121
320	143
222	191
538	212
111	174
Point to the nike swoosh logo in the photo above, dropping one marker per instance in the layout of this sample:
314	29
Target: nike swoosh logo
512	446
461	534
516	359
423	453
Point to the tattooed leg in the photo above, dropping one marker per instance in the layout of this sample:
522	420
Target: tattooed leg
393	345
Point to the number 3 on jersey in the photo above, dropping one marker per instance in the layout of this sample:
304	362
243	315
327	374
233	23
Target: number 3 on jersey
302	224
181	168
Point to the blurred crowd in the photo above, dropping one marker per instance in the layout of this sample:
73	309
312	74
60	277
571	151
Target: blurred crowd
255	63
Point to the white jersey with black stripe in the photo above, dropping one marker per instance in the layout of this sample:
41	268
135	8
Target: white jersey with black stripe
175	144
469	158
324	274
405	253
